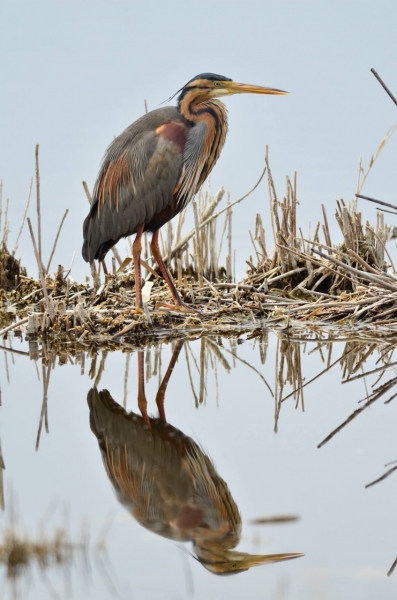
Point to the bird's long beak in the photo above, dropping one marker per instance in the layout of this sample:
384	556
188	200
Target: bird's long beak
230	561
245	88
255	560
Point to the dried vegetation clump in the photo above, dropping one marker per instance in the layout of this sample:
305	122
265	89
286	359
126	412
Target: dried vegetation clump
27	558
304	278
10	270
18	551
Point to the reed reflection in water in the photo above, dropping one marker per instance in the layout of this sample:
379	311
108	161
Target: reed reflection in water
337	380
167	482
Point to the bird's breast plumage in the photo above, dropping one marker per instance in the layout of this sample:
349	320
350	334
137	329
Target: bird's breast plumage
175	133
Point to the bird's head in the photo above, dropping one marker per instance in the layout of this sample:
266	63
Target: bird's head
231	562
208	85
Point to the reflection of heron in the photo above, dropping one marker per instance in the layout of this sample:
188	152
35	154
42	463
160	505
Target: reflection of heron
169	484
154	168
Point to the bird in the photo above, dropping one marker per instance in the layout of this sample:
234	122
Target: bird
168	482
154	168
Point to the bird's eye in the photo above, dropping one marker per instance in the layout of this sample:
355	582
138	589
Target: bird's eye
217	84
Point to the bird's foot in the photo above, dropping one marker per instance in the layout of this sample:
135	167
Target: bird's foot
177	307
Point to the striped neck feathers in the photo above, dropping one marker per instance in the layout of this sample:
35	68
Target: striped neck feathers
202	109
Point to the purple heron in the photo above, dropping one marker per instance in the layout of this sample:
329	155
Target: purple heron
155	167
168	483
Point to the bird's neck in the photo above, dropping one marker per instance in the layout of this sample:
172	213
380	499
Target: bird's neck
213	115
208	111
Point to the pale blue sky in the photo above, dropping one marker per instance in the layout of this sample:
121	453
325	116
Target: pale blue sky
76	73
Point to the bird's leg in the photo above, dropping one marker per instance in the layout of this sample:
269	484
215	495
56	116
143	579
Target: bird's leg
142	402
155	248
163	386
179	304
136	254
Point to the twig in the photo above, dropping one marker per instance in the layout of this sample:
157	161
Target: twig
38	201
384	210
390	571
56	239
276	519
384	247
389	472
6	229
362	262
375	279
384	86
126	373
196	402
366	309
235	201
87	191
316	261
325	227
207	220
245	362
317	376
48	304
12	350
350	252
43	413
229	272
202	370
116	255
199	250
376	201
375	396
375	157
24	217
287	274
179	245
13	325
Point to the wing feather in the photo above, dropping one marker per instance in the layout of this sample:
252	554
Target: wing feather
193	160
136	181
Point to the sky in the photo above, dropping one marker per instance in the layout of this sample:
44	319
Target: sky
74	74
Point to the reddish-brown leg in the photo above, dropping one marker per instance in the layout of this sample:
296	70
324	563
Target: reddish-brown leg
136	254
155	248
142	402
179	304
163	386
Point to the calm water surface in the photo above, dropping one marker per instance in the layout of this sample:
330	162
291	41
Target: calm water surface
147	513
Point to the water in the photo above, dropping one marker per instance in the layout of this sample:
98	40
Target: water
225	395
